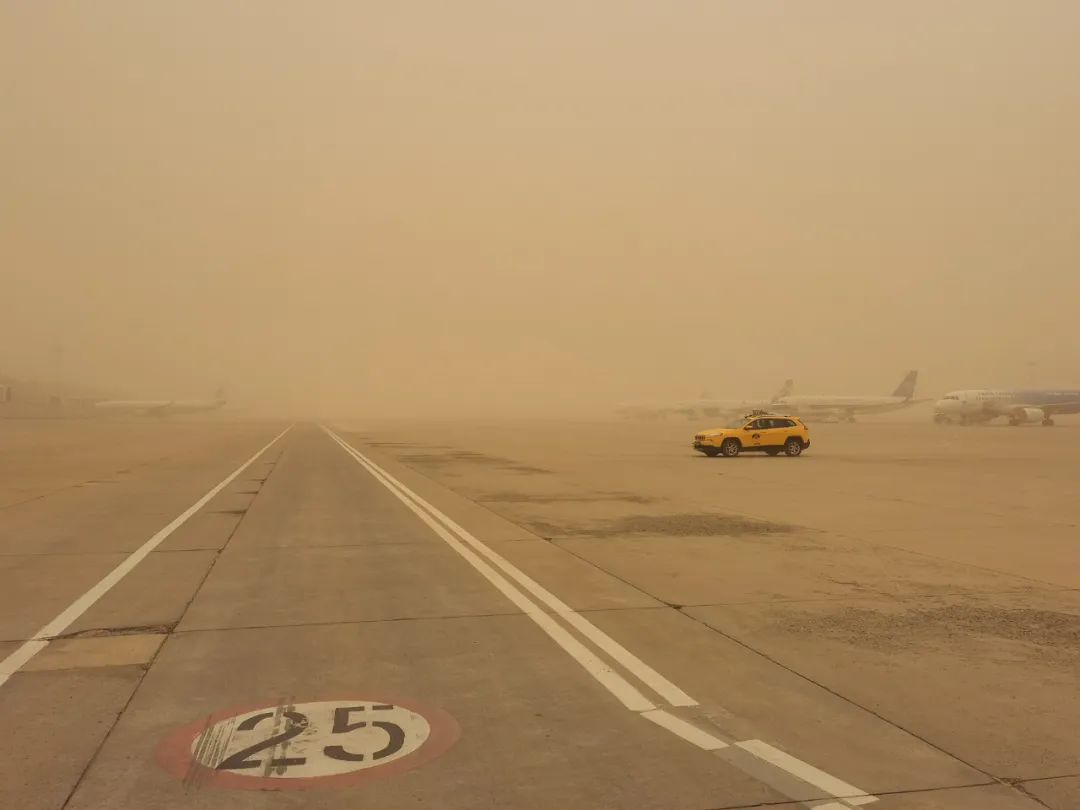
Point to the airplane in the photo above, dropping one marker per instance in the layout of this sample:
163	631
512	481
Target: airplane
163	407
716	408
984	405
702	407
845	407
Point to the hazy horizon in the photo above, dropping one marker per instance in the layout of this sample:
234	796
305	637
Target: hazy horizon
487	207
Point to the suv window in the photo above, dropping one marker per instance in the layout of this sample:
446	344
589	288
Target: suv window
783	423
758	424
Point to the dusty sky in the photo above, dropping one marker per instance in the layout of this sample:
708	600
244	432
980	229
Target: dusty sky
358	207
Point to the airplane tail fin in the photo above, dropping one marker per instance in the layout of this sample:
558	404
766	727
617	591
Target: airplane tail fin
785	390
906	389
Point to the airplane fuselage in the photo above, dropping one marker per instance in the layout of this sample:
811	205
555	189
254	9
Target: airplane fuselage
160	406
842	404
1019	406
717	408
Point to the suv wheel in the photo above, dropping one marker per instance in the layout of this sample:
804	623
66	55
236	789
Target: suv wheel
730	447
793	447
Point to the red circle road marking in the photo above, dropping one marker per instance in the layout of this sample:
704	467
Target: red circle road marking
183	753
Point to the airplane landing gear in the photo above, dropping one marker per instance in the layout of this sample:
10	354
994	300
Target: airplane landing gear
1048	422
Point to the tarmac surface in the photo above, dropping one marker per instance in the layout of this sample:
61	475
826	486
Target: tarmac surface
214	614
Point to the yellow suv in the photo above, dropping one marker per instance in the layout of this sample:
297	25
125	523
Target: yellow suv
755	432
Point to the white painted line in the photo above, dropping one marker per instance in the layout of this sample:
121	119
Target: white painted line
23	653
689	732
831	806
668	691
28	649
806	772
609	678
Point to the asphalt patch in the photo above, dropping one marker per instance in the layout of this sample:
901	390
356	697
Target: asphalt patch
470	457
1048	635
703	524
593	497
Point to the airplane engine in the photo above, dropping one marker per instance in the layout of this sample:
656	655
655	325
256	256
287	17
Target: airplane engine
1027	415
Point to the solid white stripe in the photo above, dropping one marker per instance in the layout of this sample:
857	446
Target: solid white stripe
41	638
689	732
611	680
667	690
808	773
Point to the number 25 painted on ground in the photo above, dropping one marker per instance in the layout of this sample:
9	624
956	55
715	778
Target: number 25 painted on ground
298	724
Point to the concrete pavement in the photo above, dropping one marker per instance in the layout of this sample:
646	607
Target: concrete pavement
560	616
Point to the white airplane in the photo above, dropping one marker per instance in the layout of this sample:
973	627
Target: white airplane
983	405
162	407
845	407
702	407
707	407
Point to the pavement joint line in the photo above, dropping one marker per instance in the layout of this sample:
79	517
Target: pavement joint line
457	537
14	661
345	622
1023	780
878	597
881	795
389	620
114	553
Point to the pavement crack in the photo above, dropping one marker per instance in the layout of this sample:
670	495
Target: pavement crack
108	632
1019	787
347	622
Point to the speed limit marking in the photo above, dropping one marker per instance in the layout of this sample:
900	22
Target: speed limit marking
301	746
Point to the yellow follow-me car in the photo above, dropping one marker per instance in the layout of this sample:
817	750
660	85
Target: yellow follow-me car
756	432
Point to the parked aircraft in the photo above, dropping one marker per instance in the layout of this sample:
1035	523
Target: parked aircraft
833	406
1019	406
701	408
162	407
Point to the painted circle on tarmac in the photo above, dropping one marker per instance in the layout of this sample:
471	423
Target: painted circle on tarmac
303	746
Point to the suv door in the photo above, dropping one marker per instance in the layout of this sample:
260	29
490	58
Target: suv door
778	432
756	433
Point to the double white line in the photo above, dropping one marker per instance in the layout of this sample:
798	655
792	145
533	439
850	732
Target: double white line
499	571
